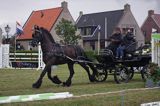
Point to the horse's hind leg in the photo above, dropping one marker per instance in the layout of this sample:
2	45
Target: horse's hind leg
71	70
38	83
54	79
91	78
93	69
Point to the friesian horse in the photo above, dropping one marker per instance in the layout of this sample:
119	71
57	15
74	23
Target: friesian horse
56	54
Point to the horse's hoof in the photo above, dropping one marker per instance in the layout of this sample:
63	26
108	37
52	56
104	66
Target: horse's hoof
65	84
68	83
37	84
56	80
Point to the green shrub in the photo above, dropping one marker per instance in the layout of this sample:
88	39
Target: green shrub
91	54
154	71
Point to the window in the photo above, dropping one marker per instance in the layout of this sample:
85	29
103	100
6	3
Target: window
124	30
85	31
154	30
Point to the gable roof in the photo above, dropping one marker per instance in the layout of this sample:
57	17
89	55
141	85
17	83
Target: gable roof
95	19
45	18
157	19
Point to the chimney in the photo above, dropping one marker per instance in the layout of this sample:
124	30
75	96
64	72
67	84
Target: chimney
80	13
127	7
64	5
150	13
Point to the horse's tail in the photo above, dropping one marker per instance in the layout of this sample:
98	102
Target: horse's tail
81	53
82	56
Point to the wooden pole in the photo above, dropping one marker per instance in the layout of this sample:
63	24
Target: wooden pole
106	31
15	50
99	28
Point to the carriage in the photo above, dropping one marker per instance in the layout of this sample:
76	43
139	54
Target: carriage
123	70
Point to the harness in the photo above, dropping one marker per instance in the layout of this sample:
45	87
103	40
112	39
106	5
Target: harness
54	50
57	50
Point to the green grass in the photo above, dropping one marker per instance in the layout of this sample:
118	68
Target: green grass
19	82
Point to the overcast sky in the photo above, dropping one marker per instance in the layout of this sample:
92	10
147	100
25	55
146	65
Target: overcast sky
19	10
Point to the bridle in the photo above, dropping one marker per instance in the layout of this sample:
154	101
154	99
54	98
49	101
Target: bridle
37	36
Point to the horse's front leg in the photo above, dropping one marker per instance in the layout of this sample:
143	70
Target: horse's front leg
69	80
38	83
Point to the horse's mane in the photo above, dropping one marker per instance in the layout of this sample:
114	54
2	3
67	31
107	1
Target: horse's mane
46	32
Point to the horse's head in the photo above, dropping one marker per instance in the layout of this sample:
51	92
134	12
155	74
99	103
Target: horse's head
36	36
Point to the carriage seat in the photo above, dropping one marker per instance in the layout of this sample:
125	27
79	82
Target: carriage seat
129	50
131	47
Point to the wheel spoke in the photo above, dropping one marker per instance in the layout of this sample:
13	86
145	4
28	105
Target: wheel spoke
101	75
121	74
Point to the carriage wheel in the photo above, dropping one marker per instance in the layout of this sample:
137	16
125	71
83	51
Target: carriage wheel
101	75
145	73
131	71
121	74
107	52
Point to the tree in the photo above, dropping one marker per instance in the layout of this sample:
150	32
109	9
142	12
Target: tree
67	32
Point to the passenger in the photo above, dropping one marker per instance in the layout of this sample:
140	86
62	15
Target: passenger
126	42
115	40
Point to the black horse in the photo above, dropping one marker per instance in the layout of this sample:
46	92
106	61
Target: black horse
56	54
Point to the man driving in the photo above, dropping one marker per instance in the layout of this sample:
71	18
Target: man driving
115	40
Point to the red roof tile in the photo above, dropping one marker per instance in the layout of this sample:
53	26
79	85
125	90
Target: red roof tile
157	19
45	18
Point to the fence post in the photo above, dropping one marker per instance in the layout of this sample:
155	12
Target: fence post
39	52
5	55
40	58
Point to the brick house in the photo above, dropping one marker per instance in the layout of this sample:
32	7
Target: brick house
47	18
151	24
88	26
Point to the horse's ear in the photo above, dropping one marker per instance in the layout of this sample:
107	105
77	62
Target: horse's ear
36	27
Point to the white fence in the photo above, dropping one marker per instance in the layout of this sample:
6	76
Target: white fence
4	57
23	60
20	60
156	48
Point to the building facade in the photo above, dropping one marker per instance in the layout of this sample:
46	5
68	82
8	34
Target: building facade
88	25
151	25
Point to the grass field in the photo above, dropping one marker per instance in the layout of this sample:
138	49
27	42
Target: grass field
19	82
